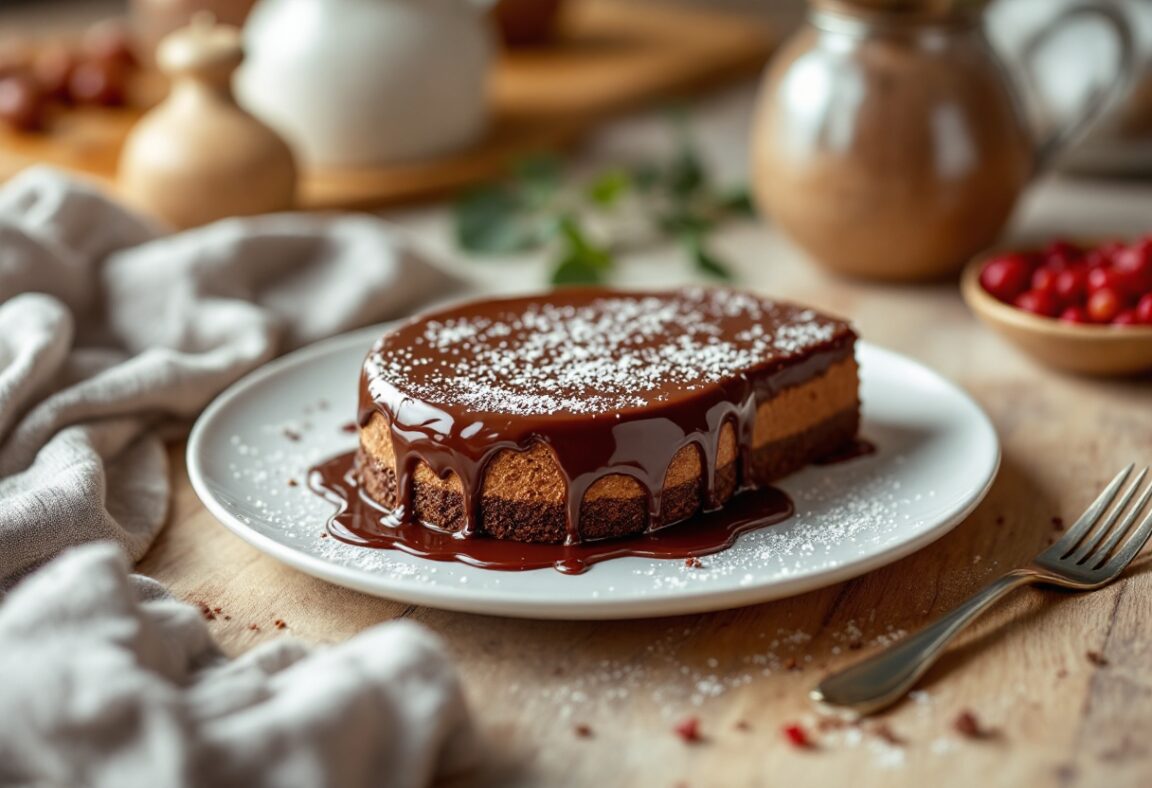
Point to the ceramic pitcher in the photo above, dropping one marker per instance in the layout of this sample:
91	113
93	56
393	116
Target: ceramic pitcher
367	82
893	145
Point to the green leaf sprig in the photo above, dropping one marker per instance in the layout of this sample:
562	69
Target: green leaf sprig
536	209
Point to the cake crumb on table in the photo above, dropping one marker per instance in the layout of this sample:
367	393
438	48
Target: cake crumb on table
967	724
884	731
688	729
796	735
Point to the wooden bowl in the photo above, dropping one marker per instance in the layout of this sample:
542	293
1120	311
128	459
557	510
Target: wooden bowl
1084	349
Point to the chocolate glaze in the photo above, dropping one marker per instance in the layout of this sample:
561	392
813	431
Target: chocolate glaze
361	521
611	382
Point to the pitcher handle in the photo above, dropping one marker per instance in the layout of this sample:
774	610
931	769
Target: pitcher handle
1102	95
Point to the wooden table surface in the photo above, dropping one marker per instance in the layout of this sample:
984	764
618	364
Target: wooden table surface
1055	716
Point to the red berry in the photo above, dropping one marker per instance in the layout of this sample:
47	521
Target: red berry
1006	277
1100	279
1132	269
1037	302
1103	255
1097	258
1044	278
1075	314
1062	248
1130	257
796	735
1126	318
1071	285
1144	310
1104	305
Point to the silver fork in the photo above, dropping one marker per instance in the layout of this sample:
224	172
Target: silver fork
1084	559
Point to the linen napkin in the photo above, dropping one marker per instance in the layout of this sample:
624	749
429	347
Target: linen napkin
109	330
147	699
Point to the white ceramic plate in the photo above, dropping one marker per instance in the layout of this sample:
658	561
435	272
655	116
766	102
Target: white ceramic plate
937	455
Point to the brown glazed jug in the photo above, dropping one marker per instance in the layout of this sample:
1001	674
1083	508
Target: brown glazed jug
892	145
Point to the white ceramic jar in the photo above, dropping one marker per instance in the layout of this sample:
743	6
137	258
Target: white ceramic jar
367	82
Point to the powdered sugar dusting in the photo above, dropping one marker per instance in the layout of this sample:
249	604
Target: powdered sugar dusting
572	353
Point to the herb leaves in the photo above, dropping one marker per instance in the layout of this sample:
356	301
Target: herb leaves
586	226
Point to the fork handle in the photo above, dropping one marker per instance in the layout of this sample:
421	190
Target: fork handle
879	681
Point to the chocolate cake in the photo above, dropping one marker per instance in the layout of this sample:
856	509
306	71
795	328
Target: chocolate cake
586	414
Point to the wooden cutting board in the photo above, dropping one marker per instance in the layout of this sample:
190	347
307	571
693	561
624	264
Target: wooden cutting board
610	57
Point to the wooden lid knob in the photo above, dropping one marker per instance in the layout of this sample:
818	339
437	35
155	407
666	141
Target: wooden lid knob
203	50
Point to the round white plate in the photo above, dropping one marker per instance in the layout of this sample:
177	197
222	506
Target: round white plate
250	451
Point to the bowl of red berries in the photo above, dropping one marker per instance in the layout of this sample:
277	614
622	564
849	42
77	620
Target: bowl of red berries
1081	308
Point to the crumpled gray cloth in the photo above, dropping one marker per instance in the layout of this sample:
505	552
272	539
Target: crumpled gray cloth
109	331
146	699
109	328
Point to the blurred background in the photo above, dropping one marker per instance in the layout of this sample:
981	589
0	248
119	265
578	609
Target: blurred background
861	120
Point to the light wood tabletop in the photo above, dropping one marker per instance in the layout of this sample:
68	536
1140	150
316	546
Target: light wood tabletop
1061	683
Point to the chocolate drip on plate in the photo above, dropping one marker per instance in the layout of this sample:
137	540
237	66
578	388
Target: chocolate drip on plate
361	521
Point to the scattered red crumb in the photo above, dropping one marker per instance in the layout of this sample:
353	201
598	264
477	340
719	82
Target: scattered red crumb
791	664
796	735
884	731
254	627
293	483
1058	523
688	729
349	427
1096	658
291	435
968	725
584	731
324	535
227	617
693	562
743	725
217	610
279	624
205	611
